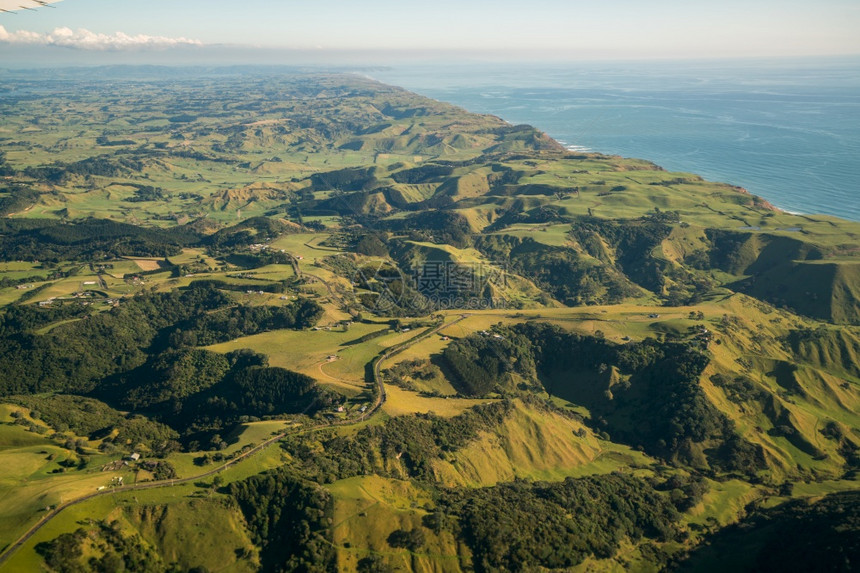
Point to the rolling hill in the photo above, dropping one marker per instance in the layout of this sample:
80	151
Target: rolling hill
310	322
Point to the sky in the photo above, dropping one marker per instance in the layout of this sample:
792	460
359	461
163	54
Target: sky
80	30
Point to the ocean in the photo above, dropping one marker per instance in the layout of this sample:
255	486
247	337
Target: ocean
786	130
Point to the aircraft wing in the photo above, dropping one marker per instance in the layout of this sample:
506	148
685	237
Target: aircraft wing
12	5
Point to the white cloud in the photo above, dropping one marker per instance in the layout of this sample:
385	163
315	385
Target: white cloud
83	39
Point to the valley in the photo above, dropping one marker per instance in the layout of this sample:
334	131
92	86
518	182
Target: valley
287	321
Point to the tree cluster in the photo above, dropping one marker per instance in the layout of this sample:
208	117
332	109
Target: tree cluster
102	548
524	526
290	519
405	446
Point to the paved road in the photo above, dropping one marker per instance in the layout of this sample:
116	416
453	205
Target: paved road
122	489
300	274
378	402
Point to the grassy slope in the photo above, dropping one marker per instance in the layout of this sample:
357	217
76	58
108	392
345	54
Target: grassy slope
531	444
369	509
537	445
191	531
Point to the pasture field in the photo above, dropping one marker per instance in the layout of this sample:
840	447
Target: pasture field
552	235
723	503
20	269
369	509
305	245
29	484
755	308
538	445
30	481
308	351
400	402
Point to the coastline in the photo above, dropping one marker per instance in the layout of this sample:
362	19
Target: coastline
789	133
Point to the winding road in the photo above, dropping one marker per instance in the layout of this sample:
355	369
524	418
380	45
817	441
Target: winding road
379	400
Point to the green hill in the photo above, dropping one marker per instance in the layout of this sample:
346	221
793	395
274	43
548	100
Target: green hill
799	536
306	322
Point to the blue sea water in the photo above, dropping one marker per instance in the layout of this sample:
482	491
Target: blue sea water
788	131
